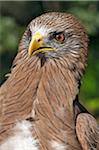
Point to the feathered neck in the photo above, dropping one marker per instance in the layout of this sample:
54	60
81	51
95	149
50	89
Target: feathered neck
53	104
46	95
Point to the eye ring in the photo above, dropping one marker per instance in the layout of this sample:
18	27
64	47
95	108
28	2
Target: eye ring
60	37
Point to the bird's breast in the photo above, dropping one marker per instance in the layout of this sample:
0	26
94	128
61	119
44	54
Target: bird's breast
53	107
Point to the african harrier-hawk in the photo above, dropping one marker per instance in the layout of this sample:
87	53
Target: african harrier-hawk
39	107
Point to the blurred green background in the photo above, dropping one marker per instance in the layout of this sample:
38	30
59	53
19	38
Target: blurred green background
15	16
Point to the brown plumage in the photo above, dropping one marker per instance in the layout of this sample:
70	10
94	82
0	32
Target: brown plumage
43	89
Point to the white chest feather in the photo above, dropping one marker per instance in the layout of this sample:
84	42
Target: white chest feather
58	146
22	139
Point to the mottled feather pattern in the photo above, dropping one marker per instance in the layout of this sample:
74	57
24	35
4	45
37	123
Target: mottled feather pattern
87	126
44	94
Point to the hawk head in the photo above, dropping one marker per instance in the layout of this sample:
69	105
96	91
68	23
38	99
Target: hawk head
54	36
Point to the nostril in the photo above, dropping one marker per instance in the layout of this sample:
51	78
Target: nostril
39	40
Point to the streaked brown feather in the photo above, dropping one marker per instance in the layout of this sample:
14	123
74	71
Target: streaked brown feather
87	131
45	94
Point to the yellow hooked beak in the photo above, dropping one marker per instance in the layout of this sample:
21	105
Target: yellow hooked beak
37	45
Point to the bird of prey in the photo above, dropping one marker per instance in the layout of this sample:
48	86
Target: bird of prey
39	103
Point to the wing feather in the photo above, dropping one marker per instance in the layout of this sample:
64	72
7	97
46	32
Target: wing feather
17	94
87	131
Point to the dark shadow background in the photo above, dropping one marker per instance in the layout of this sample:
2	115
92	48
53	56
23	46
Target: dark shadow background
16	15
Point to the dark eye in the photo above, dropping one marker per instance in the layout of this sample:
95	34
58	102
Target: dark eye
60	37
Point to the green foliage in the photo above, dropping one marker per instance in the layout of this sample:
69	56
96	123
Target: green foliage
9	39
9	34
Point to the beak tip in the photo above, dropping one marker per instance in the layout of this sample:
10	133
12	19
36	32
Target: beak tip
29	55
